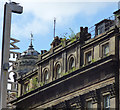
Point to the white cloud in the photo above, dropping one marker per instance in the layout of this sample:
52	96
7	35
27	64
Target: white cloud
47	11
35	26
44	13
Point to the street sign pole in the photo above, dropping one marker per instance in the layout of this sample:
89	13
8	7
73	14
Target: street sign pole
8	9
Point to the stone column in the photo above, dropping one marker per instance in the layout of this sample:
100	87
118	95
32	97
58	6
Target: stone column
82	101
19	89
64	61
40	74
98	94
51	63
81	57
78	56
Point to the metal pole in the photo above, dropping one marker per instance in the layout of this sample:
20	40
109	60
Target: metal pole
8	9
54	25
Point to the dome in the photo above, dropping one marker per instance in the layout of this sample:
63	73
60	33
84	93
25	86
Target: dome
26	61
30	51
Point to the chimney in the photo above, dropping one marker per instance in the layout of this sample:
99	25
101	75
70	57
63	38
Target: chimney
86	29
43	51
81	29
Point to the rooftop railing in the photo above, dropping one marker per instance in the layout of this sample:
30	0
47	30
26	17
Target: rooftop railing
110	21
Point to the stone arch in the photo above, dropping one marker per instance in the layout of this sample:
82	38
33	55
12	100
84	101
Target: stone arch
57	70
45	75
71	62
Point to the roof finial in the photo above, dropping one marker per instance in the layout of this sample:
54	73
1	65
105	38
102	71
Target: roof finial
31	35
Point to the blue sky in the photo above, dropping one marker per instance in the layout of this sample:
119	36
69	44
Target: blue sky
38	16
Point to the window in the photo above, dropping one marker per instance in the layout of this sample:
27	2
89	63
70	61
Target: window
100	30
58	71
26	87
46	76
88	57
72	63
107	102
105	49
89	105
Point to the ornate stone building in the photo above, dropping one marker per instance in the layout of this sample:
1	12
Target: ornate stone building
77	73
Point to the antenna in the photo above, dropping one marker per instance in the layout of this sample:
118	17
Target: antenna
54	25
119	5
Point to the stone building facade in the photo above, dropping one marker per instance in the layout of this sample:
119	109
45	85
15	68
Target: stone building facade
79	73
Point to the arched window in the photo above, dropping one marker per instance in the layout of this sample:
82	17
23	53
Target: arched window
71	63
46	76
26	87
58	71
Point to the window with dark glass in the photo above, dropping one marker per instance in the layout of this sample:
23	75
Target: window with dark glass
72	63
89	105
88	57
26	87
103	26
100	30
105	49
58	71
46	76
107	102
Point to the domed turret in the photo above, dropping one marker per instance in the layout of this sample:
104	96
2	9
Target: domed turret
26	61
30	51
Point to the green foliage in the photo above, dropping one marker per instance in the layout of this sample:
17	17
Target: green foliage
34	83
17	96
107	54
73	69
63	74
72	33
83	65
93	60
25	92
31	90
72	37
70	71
63	40
42	83
27	79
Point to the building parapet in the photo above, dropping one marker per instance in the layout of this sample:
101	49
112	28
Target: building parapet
60	48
